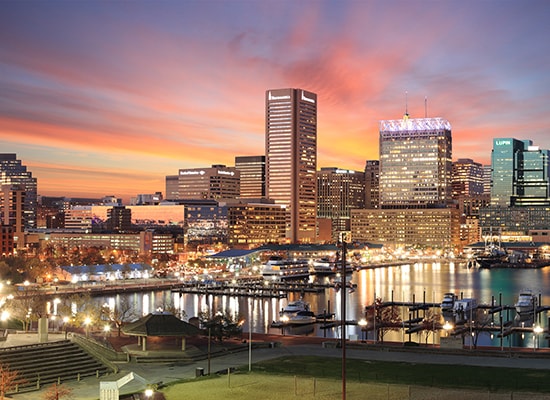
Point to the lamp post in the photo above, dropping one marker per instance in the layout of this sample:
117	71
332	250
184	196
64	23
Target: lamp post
249	337
343	238
87	322
537	330
363	324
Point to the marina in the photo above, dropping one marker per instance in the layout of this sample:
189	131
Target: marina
415	290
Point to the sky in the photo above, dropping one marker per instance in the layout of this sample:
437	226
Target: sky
108	97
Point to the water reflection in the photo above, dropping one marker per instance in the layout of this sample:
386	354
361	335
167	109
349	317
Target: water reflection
417	282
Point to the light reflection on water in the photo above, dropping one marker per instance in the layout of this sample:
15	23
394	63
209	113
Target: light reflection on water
411	283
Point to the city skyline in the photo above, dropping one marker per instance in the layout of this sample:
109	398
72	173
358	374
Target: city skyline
107	98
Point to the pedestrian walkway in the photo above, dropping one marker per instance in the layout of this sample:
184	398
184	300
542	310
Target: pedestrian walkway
151	374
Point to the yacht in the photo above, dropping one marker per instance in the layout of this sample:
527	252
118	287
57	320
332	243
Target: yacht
323	267
526	303
301	318
294	307
448	302
279	268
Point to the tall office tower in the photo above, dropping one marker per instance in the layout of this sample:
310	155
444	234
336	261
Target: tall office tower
291	158
487	179
12	172
218	182
520	173
415	163
338	192
467	178
252	169
372	184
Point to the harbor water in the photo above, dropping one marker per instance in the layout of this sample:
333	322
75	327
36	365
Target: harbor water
415	282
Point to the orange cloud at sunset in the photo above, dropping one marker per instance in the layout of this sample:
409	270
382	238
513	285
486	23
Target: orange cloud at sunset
110	97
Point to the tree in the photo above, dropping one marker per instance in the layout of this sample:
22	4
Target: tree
27	305
8	380
81	309
221	325
120	314
57	392
431	323
386	318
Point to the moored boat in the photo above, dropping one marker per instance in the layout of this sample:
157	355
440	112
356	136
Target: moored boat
526	303
448	302
294	307
278	268
300	318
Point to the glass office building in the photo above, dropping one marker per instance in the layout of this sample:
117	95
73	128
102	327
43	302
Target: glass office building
519	174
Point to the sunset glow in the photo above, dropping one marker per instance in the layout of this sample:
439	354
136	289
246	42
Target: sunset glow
107	98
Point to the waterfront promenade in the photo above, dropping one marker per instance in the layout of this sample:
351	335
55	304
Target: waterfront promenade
236	354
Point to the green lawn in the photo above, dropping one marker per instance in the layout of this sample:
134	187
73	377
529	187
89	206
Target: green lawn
320	378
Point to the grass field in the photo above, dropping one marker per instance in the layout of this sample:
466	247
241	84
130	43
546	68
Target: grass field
320	378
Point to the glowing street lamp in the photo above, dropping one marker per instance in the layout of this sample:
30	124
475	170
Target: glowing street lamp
87	323
448	326
537	330
363	324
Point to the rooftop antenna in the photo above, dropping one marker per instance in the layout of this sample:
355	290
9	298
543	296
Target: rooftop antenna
426	107
406	116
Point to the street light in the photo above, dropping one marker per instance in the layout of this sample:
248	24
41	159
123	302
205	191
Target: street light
87	322
363	324
447	326
537	330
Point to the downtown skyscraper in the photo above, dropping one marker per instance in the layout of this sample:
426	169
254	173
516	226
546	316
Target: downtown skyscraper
415	163
291	158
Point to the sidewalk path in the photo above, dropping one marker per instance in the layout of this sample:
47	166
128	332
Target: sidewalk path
88	388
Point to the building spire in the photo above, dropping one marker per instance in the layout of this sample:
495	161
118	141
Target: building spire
425	106
406	116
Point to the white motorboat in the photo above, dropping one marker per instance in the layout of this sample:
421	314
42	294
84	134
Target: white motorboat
278	268
448	302
294	307
300	318
526	303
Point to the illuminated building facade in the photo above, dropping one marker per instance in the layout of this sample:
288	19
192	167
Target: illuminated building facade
415	188
205	223
415	162
291	158
252	169
218	182
251	225
436	228
145	242
14	173
467	178
520	191
338	192
372	184
520	173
